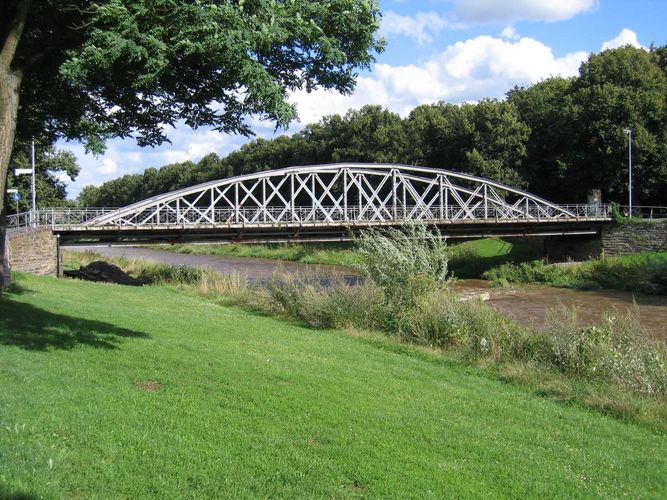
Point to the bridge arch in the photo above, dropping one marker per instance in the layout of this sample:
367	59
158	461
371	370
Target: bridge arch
354	194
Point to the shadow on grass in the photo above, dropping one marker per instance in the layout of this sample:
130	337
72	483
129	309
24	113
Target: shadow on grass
34	329
11	495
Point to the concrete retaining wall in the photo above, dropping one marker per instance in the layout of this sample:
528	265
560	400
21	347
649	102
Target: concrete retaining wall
35	251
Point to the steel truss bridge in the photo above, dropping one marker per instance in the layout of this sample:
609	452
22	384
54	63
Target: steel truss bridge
324	202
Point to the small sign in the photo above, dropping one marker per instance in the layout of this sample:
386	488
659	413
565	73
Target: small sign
21	171
16	196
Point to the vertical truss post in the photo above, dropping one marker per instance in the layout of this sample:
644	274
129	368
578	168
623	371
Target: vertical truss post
440	197
236	203
212	205
314	198
291	197
393	195
264	199
405	200
345	188
359	188
486	203
447	203
178	210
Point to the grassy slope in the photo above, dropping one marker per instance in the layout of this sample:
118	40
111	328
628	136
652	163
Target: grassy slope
252	406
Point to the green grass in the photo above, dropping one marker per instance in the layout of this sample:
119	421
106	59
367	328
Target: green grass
250	406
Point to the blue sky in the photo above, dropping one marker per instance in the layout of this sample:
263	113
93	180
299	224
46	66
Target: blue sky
449	50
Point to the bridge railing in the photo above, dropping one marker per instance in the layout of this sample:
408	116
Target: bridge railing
276	215
57	216
644	211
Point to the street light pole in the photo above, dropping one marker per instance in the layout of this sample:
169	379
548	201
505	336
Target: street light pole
629	132
34	194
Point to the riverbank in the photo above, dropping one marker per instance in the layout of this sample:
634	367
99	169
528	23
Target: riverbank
149	392
499	261
645	272
466	260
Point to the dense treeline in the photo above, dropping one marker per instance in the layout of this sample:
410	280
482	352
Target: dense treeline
558	138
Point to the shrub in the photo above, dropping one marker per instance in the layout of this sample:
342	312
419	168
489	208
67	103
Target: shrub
618	350
152	273
327	305
406	262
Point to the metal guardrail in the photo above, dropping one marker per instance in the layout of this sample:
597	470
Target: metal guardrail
644	211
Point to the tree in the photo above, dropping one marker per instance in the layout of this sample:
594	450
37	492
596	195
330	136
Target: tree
546	108
617	89
92	70
498	141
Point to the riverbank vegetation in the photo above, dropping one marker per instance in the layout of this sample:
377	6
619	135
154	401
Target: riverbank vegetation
614	366
646	272
468	259
145	392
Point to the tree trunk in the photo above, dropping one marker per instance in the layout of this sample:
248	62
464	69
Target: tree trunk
10	86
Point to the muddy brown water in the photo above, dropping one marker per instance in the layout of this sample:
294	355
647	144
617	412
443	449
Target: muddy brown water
527	304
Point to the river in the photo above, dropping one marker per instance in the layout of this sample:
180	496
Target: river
527	304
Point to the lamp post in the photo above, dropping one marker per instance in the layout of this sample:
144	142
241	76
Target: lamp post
21	171
629	132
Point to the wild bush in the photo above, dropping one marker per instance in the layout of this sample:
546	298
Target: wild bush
334	304
617	350
406	262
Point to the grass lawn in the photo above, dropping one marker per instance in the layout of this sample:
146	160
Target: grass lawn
110	391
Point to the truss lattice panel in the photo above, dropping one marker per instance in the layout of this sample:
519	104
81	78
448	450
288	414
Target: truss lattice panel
339	194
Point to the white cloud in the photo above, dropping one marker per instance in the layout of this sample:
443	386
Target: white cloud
123	157
489	11
465	71
510	33
107	167
418	27
625	37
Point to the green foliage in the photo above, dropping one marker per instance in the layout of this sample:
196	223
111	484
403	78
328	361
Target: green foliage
155	63
643	273
330	305
406	262
617	350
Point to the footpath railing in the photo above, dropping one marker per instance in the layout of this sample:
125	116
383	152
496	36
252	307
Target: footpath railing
57	216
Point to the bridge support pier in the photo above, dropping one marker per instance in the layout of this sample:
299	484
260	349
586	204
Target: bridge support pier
577	248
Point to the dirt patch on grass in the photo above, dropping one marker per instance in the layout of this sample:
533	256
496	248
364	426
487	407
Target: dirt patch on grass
149	385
